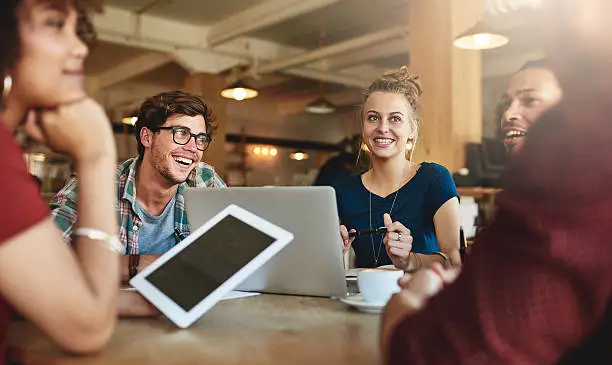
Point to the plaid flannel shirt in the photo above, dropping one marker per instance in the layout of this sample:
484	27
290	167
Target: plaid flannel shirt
63	205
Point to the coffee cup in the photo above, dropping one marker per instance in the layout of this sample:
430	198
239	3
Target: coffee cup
379	284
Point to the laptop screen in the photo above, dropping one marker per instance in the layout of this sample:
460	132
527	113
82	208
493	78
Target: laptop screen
200	268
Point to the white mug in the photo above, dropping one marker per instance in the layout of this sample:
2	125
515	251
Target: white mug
379	284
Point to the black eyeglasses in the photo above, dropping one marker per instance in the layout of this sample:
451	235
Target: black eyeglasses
182	136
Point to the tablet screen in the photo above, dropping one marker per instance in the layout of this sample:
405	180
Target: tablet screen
211	259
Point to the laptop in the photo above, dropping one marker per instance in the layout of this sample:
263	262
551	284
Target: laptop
189	279
313	264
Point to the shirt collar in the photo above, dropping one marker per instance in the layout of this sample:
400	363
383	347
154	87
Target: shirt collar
129	190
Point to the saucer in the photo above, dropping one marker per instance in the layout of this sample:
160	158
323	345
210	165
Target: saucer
357	302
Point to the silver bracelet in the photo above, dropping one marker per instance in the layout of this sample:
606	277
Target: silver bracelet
111	242
441	254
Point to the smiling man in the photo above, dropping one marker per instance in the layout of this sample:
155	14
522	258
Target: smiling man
531	92
173	131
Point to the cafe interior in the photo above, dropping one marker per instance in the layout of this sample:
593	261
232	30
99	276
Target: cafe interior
285	79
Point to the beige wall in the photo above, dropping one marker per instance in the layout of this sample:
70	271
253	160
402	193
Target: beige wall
451	79
493	89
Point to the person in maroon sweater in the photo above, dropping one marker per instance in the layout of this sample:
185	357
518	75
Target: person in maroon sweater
71	295
537	288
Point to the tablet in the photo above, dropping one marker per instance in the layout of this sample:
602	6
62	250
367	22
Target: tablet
194	275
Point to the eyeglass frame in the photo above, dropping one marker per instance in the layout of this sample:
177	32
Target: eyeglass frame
191	135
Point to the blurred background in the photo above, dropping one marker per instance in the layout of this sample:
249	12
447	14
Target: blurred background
308	62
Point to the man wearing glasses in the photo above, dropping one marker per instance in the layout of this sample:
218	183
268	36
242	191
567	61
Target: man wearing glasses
173	130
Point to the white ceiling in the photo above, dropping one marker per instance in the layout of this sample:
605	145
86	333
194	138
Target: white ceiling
339	22
186	27
104	55
198	12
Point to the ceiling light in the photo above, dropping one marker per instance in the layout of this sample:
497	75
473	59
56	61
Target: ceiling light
480	37
129	120
265	151
239	91
298	156
321	106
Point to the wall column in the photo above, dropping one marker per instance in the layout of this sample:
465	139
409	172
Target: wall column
451	79
209	88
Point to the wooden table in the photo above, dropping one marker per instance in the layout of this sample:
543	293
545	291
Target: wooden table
265	329
477	191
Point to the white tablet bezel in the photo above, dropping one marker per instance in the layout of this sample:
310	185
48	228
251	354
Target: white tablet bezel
173	311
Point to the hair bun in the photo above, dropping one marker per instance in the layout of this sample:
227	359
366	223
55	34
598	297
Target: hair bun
404	79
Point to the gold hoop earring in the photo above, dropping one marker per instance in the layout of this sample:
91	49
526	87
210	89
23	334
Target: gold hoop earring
409	149
409	145
7	84
362	147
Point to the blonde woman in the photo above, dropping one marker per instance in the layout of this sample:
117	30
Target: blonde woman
417	203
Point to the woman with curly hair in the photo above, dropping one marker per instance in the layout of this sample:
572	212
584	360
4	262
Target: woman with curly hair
69	294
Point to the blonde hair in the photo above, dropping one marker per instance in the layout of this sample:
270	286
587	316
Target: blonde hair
398	81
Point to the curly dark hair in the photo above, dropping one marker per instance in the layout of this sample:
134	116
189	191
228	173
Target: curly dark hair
154	112
12	12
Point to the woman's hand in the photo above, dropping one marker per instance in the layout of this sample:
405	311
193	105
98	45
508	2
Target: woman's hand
80	129
419	287
426	283
346	240
398	242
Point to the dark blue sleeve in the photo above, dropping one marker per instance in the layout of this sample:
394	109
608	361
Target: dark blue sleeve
441	188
